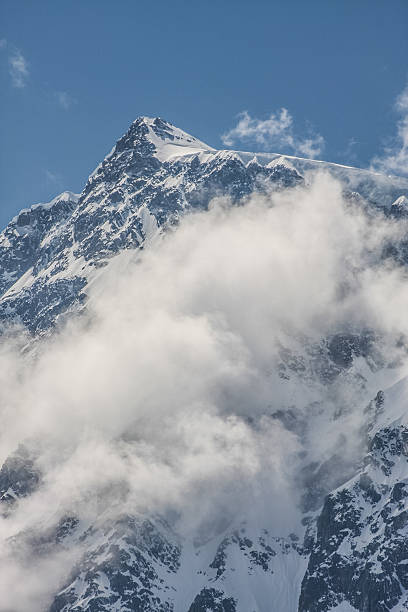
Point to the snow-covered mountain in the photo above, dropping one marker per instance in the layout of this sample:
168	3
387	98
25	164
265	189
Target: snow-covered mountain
153	175
349	548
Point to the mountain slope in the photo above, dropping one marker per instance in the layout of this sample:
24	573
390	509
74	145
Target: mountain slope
341	542
153	175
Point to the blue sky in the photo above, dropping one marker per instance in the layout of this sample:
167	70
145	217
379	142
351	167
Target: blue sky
73	76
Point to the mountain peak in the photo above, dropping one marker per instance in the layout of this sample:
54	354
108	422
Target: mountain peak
148	143
401	202
281	160
168	140
61	201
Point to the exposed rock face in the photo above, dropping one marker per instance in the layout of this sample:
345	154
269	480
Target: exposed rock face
360	554
126	566
211	599
19	477
153	175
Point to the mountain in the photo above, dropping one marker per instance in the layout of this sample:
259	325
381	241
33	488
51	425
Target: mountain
155	172
153	175
349	549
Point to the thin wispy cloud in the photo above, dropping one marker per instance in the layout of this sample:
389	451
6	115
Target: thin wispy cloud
65	100
18	68
350	152
275	132
53	178
3	43
395	157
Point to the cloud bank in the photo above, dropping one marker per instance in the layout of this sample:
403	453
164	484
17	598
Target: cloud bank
163	397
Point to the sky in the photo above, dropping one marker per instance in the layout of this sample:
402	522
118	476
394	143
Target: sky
318	78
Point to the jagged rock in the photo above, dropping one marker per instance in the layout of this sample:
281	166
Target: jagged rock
360	553
211	600
19	476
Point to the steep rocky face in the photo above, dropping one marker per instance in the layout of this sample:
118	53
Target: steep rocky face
27	245
360	554
19	477
152	176
128	565
28	240
140	564
211	599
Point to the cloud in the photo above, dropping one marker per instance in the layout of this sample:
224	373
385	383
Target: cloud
274	132
395	157
18	68
164	397
19	72
65	100
53	178
262	132
349	152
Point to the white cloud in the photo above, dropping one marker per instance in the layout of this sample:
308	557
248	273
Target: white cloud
18	68
51	176
275	132
395	157
53	179
260	131
3	43
65	100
